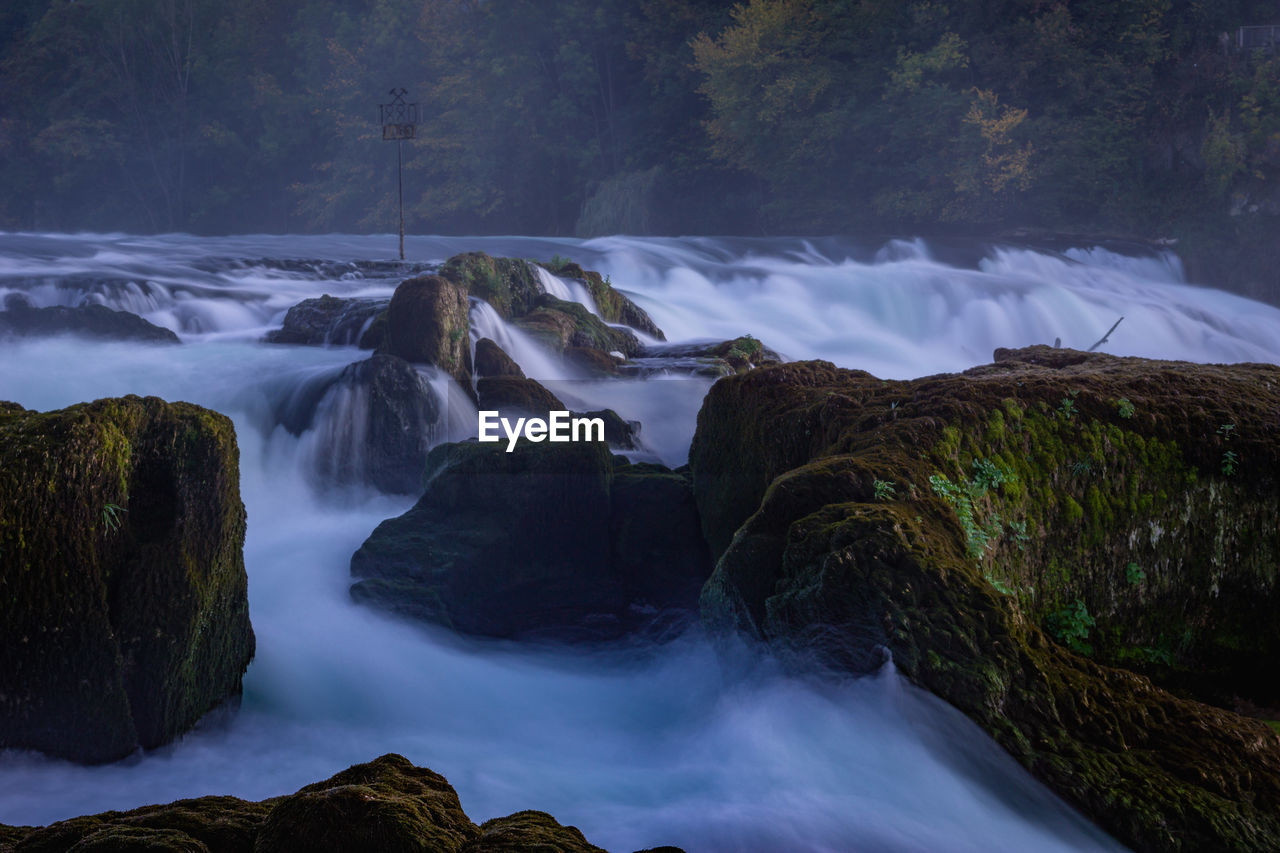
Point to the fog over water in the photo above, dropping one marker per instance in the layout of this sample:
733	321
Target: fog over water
635	746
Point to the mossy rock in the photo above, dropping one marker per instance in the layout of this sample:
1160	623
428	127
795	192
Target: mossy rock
508	284
387	805
815	491
560	325
428	323
327	320
528	831
614	306
89	321
123	608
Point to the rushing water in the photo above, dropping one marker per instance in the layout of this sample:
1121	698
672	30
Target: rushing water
637	747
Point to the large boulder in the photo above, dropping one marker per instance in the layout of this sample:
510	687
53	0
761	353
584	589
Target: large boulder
427	323
1005	536
550	540
387	804
492	360
327	320
20	319
125	613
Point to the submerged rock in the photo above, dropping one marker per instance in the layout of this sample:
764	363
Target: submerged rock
327	320
550	540
944	520
90	321
125	614
387	805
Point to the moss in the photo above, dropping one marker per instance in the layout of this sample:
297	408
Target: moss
614	306
118	632
560	324
508	284
781	463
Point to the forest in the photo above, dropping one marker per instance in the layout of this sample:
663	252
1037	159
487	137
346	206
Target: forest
589	117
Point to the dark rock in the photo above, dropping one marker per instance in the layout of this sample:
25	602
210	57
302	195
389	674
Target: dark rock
536	542
376	334
327	320
90	321
593	361
387	805
515	395
427	323
941	520
614	306
618	432
126	617
658	551
561	325
386	406
491	360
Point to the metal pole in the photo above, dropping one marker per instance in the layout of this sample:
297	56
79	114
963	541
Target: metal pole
400	190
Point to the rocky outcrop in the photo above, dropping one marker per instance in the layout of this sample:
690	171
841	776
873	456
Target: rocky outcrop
327	320
20	319
508	284
551	540
560	325
1006	533
125	614
427	323
614	306
388	805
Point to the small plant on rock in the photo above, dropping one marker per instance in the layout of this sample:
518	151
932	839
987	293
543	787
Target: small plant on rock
1071	626
1125	408
111	516
884	489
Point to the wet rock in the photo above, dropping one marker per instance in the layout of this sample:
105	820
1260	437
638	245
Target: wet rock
1009	536
126	617
327	320
713	359
427	323
383	420
560	325
537	543
89	321
491	360
614	306
516	396
508	284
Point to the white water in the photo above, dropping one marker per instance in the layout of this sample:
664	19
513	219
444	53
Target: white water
638	748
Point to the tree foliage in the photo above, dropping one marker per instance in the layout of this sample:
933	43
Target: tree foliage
650	115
